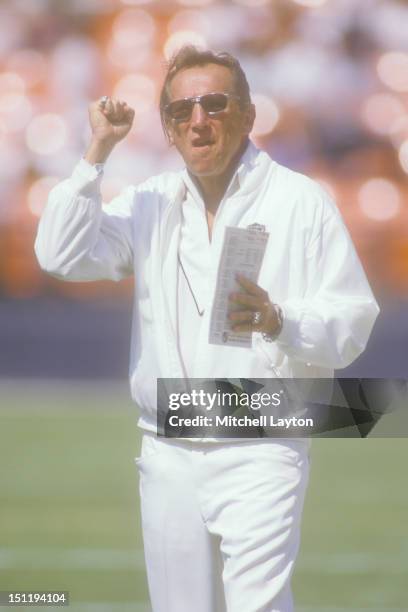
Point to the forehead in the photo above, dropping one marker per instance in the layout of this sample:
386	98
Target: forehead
199	80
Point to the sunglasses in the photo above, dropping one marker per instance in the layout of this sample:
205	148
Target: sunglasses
211	103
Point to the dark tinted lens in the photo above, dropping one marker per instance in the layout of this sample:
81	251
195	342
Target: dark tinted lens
180	110
214	103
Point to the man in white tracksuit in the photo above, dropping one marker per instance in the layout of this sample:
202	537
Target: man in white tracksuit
221	519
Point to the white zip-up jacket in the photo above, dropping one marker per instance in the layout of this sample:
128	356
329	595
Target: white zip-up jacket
310	269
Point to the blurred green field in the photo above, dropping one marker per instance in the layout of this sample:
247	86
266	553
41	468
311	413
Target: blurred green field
70	516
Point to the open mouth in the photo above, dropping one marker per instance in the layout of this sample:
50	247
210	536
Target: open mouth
200	144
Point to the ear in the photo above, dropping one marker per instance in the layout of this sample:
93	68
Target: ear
169	131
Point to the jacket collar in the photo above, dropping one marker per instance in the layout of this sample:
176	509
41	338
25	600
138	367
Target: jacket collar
241	179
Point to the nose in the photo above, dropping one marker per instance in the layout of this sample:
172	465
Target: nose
198	115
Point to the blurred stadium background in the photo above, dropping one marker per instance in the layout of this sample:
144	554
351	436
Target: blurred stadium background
330	82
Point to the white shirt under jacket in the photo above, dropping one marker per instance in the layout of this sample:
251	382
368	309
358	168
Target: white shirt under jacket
310	268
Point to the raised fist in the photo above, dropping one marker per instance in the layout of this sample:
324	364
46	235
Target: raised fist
110	120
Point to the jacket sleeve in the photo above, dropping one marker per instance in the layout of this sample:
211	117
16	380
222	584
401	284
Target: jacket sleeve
329	325
78	238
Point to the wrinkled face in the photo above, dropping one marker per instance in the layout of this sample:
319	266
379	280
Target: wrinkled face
208	143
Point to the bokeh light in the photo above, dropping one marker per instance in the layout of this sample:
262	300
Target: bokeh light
46	134
16	111
189	20
29	64
126	58
195	2
403	156
38	193
253	3
3	132
13	165
133	36
392	69
138	90
10	101
310	3
183	37
136	2
379	199
267	115
11	84
74	68
380	111
134	28
399	130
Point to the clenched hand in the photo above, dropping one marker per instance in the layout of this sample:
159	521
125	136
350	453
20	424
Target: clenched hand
110	120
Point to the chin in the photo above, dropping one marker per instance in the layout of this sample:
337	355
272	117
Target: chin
204	169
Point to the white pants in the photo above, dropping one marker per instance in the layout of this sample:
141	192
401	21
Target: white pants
221	523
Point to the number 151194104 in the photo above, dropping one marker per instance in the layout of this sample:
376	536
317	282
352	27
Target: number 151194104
34	598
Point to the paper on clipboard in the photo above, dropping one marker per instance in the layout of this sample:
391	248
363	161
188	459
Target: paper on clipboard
243	251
